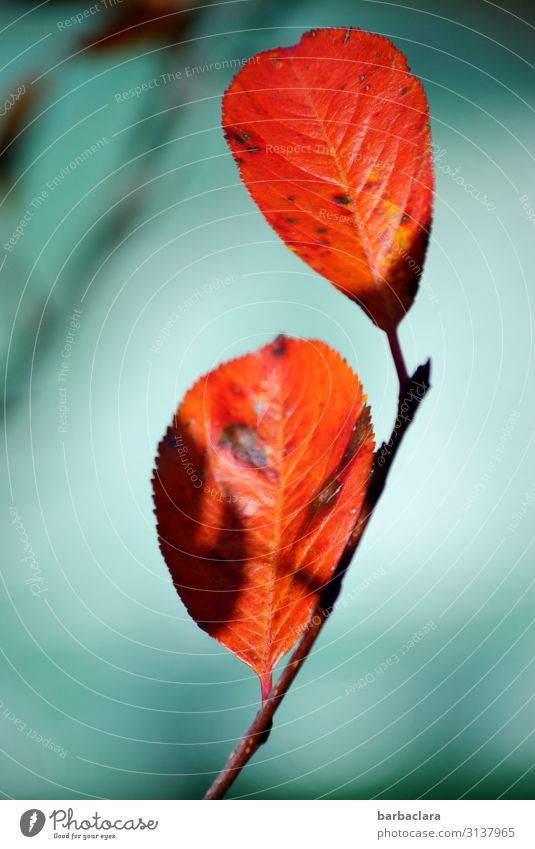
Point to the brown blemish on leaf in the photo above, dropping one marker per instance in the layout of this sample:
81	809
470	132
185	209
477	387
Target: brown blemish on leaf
243	443
278	346
330	491
362	430
241	138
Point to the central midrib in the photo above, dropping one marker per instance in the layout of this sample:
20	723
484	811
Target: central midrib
278	523
343	178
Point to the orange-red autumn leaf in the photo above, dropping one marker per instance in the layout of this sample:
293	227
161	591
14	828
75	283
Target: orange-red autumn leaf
332	141
258	484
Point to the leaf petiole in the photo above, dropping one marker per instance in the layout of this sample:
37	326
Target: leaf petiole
399	361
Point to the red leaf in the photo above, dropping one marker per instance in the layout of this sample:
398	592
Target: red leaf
332	141
258	484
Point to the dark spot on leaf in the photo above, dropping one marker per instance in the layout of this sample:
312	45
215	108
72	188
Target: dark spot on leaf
321	230
404	90
404	218
278	346
252	149
362	430
291	198
243	443
291	220
330	491
347	36
362	77
343	199
242	137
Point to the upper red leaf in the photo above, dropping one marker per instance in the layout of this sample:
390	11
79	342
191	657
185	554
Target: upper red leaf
333	143
258	485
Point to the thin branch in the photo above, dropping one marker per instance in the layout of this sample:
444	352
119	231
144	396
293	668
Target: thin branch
412	393
397	356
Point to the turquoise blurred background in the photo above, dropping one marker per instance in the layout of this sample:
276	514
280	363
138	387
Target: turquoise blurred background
142	267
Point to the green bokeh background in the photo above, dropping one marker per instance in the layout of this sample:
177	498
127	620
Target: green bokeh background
106	663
